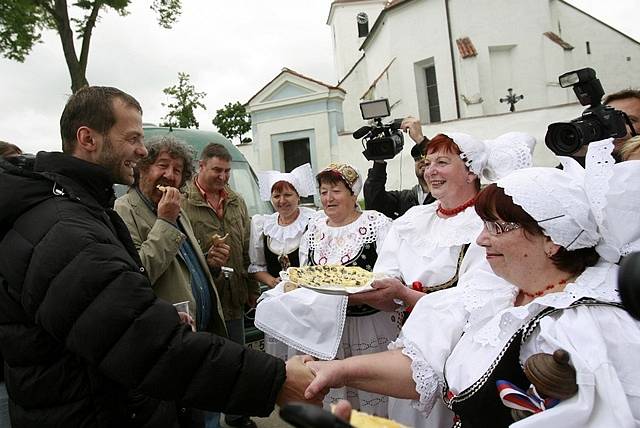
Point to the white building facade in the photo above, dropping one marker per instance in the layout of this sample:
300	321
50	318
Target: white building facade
447	62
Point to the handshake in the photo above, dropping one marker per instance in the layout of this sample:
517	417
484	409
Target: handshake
303	383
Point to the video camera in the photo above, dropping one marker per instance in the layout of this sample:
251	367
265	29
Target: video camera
597	121
380	141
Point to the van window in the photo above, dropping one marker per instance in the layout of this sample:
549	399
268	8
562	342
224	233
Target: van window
243	182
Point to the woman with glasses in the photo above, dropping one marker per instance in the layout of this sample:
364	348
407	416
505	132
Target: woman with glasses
426	247
430	246
555	236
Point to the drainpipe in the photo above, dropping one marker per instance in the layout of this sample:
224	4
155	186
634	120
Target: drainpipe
453	62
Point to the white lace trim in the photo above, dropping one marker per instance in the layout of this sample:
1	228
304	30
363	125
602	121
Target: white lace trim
342	244
442	232
294	230
341	319
599	163
592	283
427	382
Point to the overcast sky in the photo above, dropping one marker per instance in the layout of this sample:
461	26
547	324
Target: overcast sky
230	48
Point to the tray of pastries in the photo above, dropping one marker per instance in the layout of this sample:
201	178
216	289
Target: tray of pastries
332	279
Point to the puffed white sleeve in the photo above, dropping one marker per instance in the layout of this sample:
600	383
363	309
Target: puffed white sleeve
383	224
604	345
427	338
256	245
387	261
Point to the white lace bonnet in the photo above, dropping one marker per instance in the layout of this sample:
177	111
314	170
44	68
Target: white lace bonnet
349	174
493	159
301	178
583	207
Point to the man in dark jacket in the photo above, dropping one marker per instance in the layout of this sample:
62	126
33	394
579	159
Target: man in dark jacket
394	203
84	339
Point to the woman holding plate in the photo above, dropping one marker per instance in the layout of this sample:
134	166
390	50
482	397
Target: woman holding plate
336	326
275	238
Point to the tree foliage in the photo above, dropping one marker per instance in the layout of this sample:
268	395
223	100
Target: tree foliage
186	101
233	121
23	21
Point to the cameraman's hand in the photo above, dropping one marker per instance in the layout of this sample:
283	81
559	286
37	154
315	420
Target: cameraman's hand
414	128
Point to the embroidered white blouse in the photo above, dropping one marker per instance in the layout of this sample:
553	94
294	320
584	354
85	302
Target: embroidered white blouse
341	244
421	246
281	239
308	321
603	342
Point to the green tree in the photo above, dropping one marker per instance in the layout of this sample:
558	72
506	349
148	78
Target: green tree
186	101
23	21
233	121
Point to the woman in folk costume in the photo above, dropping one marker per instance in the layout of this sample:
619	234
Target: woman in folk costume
275	238
430	246
556	235
328	326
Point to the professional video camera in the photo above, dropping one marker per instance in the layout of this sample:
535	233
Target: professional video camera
597	121
380	141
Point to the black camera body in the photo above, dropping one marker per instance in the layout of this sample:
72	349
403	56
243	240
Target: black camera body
597	121
380	141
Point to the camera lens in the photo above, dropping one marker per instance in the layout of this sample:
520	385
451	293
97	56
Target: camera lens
563	138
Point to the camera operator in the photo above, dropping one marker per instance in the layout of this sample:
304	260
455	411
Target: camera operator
394	203
628	101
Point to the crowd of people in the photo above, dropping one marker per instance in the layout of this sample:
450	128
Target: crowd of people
129	311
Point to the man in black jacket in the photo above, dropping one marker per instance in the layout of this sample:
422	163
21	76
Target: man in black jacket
394	203
85	340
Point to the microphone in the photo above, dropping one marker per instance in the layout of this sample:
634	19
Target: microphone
361	132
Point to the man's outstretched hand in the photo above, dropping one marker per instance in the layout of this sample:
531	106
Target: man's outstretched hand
299	376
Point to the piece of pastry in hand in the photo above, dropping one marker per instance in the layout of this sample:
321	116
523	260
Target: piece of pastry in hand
163	189
364	420
217	239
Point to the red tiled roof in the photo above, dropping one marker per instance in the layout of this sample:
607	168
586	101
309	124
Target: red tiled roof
466	48
558	40
295	73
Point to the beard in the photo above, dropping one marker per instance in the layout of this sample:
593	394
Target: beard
112	162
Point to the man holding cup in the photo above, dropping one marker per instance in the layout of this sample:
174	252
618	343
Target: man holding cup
164	237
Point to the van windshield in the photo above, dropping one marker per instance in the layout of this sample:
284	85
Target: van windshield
243	182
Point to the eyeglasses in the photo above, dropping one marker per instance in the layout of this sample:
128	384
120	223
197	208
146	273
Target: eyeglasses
499	227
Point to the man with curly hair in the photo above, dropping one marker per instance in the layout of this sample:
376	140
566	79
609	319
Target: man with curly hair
164	237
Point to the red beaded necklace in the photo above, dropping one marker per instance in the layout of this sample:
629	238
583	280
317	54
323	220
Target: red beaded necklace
547	288
458	209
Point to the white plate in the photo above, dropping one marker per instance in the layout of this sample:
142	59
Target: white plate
337	289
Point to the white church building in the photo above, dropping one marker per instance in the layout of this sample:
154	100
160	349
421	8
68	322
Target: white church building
448	62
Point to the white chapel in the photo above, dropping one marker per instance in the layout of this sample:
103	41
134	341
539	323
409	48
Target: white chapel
447	62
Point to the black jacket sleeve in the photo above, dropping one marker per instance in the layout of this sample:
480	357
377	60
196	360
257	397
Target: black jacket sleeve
392	203
86	292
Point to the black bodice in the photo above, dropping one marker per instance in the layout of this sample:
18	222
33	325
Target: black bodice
479	406
276	262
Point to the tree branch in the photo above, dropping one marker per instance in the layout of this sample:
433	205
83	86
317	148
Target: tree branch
86	34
